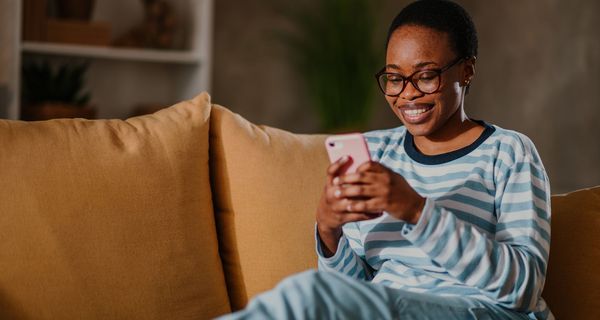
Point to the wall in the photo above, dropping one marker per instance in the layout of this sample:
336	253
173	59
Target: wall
538	72
252	74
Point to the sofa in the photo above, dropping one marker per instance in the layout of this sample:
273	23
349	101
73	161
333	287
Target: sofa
189	212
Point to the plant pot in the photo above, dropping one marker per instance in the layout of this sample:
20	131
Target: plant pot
54	110
75	9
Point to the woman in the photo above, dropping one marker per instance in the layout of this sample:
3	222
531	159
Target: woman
451	219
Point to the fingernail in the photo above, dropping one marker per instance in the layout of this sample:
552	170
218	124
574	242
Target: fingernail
336	181
337	193
344	159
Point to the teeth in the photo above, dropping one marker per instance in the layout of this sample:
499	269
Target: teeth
414	112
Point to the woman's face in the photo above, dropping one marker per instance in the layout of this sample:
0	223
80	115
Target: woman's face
435	115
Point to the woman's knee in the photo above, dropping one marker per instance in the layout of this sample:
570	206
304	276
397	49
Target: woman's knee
312	281
304	279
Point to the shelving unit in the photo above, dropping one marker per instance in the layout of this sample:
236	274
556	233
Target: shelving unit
121	79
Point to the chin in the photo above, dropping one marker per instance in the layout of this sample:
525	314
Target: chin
421	129
418	130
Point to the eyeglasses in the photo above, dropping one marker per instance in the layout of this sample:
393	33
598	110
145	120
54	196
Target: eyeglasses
425	81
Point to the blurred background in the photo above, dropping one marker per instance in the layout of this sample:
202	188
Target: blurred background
538	72
305	66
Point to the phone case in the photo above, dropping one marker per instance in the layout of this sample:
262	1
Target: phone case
352	145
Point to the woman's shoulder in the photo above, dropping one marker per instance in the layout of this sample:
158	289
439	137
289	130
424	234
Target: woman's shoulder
387	135
378	141
515	143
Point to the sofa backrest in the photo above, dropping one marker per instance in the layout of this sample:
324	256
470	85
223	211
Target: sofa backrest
266	184
109	219
572	287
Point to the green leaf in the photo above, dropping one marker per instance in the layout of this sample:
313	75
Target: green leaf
332	49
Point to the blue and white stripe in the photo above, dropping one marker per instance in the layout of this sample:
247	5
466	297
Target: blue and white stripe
484	232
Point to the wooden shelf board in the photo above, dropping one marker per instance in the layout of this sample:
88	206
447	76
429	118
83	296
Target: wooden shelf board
142	55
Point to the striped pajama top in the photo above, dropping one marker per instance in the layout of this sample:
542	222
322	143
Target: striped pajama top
484	232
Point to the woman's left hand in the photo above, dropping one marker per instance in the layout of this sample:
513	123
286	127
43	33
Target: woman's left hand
374	188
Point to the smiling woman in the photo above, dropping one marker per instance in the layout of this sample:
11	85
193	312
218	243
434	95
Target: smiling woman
451	217
434	116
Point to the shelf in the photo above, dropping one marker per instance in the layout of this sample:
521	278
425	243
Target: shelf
142	55
118	79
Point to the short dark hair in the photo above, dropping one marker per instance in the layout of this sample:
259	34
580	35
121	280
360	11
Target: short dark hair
444	16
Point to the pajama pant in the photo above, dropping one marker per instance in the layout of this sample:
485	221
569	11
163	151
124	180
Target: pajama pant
331	295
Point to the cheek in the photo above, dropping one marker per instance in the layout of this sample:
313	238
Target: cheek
450	94
451	87
391	100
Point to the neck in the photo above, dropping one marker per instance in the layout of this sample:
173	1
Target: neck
458	132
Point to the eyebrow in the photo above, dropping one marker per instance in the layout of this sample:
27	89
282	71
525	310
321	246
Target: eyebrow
416	66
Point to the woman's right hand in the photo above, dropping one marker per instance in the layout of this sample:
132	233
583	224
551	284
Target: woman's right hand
335	211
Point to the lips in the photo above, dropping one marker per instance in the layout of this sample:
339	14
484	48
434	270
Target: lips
416	113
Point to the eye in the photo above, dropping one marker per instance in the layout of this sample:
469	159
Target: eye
426	76
394	78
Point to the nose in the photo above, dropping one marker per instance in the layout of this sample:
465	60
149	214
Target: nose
410	92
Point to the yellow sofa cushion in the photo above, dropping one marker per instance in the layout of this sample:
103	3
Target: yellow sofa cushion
259	175
109	219
572	285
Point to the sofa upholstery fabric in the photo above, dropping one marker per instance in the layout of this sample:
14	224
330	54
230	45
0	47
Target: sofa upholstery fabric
109	219
572	287
267	183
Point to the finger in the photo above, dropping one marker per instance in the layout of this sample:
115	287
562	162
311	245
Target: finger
339	206
334	194
370	166
342	206
356	216
356	191
354	178
336	168
360	205
370	206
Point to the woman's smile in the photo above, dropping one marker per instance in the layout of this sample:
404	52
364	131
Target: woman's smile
416	113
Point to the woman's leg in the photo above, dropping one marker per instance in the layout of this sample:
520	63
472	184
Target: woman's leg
319	295
331	295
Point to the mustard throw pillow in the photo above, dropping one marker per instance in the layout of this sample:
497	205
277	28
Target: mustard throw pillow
109	219
573	282
267	184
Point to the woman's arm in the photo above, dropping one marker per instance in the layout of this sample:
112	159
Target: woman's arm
511	267
349	257
338	241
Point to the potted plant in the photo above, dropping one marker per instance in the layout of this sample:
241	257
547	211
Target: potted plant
49	92
331	46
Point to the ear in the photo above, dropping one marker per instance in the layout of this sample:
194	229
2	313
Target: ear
469	71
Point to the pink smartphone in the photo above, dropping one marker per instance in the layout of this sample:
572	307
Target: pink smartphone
352	145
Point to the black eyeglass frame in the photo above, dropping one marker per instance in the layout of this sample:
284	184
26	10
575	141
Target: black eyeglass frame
411	77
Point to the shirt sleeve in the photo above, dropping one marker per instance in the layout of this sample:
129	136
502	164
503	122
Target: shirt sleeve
509	267
349	258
